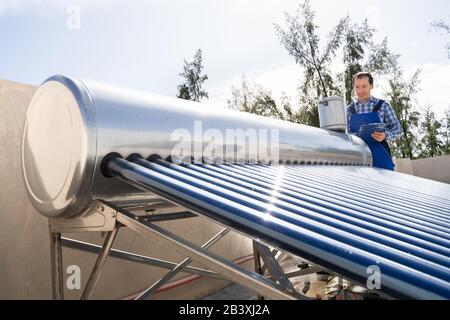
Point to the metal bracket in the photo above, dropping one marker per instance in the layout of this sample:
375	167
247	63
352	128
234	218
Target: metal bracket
267	262
98	217
274	268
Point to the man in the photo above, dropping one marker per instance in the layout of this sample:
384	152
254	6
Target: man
368	113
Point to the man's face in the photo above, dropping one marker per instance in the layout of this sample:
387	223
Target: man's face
362	88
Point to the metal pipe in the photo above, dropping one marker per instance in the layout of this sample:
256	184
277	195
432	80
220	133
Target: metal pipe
352	212
340	257
294	179
316	212
395	199
433	195
330	192
313	220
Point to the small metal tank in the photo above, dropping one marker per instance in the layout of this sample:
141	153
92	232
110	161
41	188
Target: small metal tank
332	114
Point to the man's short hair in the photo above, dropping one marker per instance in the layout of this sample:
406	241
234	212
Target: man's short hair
363	74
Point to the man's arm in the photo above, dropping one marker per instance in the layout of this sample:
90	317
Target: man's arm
394	129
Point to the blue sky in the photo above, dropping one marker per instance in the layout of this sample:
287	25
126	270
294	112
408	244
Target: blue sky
142	44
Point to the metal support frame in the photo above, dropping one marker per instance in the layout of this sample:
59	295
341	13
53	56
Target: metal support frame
129	256
227	269
103	216
267	262
56	266
274	268
158	284
98	267
258	266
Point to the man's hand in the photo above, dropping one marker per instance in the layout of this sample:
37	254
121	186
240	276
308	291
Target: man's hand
379	136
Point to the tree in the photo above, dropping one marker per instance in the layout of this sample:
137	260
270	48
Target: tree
431	145
441	25
401	97
254	99
192	89
361	53
296	116
258	100
301	40
242	97
446	133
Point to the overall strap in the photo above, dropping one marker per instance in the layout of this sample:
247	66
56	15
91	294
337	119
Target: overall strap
352	108
378	106
384	142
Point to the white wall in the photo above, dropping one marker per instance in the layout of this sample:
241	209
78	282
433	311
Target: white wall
437	168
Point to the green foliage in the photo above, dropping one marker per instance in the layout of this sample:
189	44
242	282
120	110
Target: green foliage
254	99
446	133
431	144
301	40
361	53
258	100
424	135
401	97
442	27
191	89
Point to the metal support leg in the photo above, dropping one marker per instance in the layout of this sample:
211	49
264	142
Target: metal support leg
152	289
274	268
264	267
98	267
258	268
56	266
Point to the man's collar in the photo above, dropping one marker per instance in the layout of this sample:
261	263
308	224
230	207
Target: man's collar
371	99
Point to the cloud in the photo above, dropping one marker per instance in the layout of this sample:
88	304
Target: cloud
18	7
11	7
239	8
435	86
374	16
279	78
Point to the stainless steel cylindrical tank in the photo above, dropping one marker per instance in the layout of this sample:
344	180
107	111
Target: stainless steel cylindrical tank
332	114
71	125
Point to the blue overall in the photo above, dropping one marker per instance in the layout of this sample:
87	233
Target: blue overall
381	154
